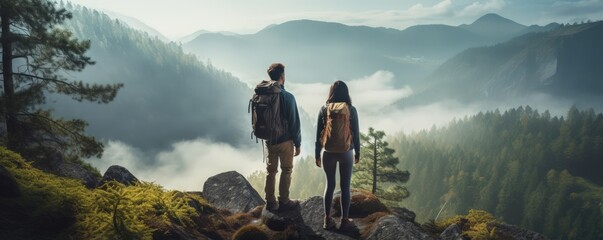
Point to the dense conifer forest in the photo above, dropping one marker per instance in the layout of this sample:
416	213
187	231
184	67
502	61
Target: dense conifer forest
529	168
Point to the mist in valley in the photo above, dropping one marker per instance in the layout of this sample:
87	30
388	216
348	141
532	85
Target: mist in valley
489	104
178	97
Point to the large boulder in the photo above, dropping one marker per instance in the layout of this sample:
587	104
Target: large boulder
119	174
280	220
8	186
289	222
363	203
392	227
404	214
56	164
452	232
312	211
508	231
230	190
76	171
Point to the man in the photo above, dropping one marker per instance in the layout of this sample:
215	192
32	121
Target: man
282	147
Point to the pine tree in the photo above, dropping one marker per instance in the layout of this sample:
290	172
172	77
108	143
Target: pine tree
36	53
378	169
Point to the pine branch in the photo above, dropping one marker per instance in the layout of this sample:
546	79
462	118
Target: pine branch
74	134
54	80
20	56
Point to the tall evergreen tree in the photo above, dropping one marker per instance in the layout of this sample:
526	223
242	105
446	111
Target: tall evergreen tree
36	54
378	170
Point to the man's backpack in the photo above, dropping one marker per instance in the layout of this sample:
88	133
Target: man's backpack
265	108
337	136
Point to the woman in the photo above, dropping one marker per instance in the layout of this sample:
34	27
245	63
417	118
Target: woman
338	96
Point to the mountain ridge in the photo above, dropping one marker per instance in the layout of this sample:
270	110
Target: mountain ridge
493	18
494	26
561	62
317	48
195	34
137	24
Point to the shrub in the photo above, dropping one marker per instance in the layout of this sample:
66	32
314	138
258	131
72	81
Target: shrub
57	207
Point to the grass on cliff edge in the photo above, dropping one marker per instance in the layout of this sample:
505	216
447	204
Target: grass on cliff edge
52	207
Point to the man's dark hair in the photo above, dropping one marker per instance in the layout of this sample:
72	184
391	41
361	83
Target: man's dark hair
339	93
275	70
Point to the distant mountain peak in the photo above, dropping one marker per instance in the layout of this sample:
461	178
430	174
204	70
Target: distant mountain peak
493	18
494	26
302	26
196	34
309	23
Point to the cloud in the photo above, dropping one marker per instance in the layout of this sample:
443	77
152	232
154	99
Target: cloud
377	18
309	96
582	8
377	91
439	114
369	94
480	8
419	10
374	97
185	166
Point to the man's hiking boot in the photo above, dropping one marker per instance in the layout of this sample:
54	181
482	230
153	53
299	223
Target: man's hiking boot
329	224
347	225
287	205
272	206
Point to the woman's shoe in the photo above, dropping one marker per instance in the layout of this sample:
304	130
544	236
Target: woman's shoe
329	223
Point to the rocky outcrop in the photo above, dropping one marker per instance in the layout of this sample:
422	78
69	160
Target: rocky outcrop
8	186
371	219
56	164
288	221
404	214
76	171
452	232
238	206
363	203
508	231
392	227
119	174
230	190
280	220
312	212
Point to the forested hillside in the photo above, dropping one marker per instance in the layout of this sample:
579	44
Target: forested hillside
564	62
168	95
525	167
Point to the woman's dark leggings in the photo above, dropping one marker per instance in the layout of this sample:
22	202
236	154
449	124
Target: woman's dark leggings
329	163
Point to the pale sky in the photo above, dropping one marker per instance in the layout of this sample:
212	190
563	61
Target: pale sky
177	18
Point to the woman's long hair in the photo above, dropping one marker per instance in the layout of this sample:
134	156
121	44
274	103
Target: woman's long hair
339	93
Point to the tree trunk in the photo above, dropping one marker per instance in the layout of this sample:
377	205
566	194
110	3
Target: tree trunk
375	165
7	77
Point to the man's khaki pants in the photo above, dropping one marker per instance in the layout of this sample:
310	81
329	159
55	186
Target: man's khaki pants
284	152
